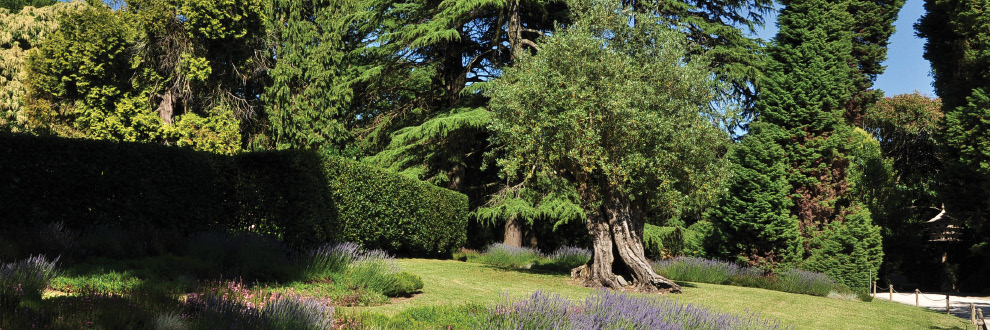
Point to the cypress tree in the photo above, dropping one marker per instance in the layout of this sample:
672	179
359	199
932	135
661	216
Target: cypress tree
754	217
801	110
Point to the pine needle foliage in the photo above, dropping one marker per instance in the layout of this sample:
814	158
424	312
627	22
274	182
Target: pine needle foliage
801	109
309	98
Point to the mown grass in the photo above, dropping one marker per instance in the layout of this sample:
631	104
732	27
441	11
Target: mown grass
454	283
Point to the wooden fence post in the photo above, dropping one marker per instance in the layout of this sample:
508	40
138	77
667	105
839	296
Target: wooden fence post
874	289
891	287
972	313
916	292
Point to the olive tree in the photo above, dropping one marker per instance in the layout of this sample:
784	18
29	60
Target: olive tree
610	110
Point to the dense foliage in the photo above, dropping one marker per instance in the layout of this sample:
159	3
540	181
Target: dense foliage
957	45
792	184
410	217
611	113
22	30
549	115
310	200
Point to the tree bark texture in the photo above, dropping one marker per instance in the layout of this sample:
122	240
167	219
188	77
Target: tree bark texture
617	233
513	233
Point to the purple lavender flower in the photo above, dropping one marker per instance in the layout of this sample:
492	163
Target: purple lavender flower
25	278
507	256
614	310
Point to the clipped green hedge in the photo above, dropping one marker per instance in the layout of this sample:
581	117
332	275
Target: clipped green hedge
299	196
415	218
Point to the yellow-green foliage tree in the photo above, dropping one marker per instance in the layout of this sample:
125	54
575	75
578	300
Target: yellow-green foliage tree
186	73
20	32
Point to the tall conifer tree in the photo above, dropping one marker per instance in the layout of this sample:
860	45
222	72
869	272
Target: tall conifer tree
801	107
958	48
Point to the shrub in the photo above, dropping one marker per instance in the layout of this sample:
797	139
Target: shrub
383	210
566	258
329	259
721	272
230	311
698	270
169	321
802	281
405	285
298	196
506	256
298	314
374	270
27	278
665	242
614	310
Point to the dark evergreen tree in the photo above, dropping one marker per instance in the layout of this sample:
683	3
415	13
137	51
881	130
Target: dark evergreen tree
753	221
801	110
958	47
309	97
873	24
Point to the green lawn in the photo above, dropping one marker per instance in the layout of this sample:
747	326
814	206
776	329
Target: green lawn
457	283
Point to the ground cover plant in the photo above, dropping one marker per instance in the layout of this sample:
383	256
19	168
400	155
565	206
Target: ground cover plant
792	280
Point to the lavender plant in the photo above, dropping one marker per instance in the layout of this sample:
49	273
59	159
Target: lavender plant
298	314
506	256
566	258
613	310
218	312
285	312
27	278
374	270
802	281
720	272
333	258
702	270
169	321
540	311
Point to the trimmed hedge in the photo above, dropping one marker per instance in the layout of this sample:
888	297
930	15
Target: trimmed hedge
415	218
299	196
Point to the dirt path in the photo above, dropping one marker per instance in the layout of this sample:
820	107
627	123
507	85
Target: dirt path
959	304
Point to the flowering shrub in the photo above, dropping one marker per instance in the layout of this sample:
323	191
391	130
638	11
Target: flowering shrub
330	259
507	256
276	311
358	268
566	258
720	272
802	281
613	310
27	278
702	270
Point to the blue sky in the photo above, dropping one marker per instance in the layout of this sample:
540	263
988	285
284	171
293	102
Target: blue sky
907	71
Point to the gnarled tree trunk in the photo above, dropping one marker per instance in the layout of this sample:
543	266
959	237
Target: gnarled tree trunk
617	233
